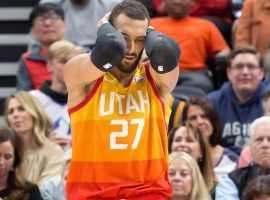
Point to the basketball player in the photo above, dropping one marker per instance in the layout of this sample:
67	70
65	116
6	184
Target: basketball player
119	110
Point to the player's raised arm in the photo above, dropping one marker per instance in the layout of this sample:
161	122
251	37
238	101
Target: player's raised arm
85	69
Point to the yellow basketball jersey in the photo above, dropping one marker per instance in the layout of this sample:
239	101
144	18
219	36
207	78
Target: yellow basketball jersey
119	137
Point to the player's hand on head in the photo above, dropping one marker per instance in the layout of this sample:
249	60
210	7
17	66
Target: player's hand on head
163	51
110	46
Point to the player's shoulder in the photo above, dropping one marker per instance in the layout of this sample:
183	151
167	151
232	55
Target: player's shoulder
78	59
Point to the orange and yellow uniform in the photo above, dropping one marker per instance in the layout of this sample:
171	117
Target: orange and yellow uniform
119	137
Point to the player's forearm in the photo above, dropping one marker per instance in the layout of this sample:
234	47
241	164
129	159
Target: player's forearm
163	53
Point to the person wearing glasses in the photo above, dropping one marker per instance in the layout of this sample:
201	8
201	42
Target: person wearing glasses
47	26
238	101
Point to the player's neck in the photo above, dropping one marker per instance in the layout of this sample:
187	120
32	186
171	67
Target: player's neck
123	78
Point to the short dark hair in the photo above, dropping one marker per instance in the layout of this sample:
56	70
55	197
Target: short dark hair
210	113
256	187
245	49
43	8
132	9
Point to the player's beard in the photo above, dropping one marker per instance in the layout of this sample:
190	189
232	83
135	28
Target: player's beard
132	67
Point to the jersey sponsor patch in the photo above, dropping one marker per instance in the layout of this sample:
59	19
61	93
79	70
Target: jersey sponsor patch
138	78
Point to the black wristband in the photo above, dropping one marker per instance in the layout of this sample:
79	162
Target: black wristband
163	51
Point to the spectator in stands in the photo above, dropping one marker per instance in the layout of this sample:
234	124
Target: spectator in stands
80	29
216	11
189	139
245	156
199	39
42	158
12	185
47	26
150	7
258	189
159	7
238	102
199	112
53	94
233	185
253	26
54	188
81	17
186	178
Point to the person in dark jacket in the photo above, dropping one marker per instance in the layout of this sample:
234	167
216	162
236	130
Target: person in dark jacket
238	102
232	186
